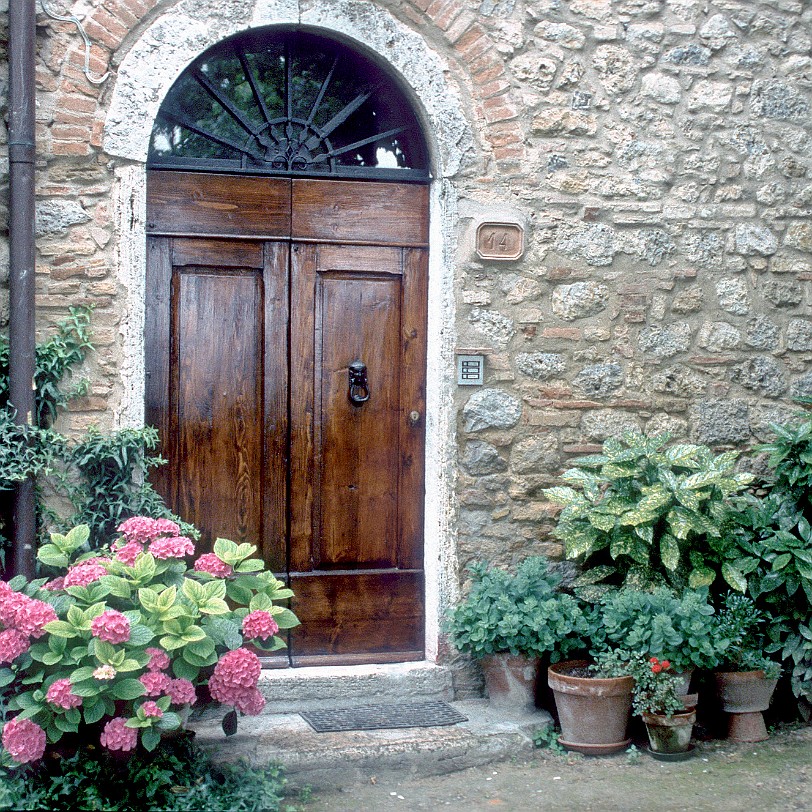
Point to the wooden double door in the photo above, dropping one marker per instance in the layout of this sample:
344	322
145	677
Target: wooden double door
285	371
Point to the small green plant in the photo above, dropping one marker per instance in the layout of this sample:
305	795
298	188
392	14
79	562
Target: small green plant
661	623
610	663
644	513
632	754
655	687
520	613
547	738
740	629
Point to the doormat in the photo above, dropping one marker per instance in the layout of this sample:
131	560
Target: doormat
381	717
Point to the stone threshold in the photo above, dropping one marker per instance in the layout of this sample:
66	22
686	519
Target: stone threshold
346	759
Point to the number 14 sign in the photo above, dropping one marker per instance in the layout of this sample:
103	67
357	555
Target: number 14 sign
500	241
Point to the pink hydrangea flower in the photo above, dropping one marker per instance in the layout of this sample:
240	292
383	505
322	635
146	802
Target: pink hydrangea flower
13	643
158	659
209	562
61	695
247	700
174	547
156	683
250	702
239	668
55	584
129	552
111	626
151	709
32	616
85	572
235	679
259	624
24	740
5	588
10	604
144	529
117	736
182	692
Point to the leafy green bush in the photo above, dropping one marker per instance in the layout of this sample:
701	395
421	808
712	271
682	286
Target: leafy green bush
177	777
661	624
520	613
644	513
774	540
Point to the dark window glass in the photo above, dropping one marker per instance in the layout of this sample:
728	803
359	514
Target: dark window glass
288	102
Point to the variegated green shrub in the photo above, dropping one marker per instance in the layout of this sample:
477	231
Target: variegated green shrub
646	512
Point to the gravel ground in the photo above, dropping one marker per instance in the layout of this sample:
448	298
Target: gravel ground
771	775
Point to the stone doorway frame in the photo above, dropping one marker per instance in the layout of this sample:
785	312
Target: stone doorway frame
180	35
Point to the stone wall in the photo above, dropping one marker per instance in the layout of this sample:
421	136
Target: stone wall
666	196
657	154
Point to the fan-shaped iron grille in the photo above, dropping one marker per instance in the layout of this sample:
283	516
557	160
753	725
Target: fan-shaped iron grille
289	103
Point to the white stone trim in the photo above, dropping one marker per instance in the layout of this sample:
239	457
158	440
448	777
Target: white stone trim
146	74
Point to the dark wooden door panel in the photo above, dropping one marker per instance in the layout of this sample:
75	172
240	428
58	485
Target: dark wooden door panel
219	393
357	318
383	622
358	212
217	205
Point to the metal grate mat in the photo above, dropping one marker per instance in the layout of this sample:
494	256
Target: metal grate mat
380	717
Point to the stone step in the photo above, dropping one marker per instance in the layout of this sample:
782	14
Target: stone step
291	690
333	760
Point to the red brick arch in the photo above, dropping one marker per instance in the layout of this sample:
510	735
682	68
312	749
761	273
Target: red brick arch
77	119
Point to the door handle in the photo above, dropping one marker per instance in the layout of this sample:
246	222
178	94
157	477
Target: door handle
358	392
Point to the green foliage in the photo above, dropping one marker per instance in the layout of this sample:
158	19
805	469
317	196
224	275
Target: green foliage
518	612
741	632
104	476
644	513
547	738
774	539
106	481
55	359
176	777
662	624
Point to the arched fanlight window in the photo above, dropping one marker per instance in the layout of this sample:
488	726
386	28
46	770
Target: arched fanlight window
285	102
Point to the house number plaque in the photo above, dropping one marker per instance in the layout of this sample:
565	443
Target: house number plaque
500	241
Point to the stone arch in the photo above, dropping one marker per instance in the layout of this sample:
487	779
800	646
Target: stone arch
79	120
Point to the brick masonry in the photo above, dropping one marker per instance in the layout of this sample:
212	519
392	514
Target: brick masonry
657	153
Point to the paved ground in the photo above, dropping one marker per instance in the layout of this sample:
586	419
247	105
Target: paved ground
773	775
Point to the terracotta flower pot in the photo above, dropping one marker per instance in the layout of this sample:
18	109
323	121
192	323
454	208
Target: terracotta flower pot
744	695
670	734
511	681
594	713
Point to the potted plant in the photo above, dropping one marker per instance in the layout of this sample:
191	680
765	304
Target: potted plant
662	624
746	678
668	718
593	700
113	650
508	620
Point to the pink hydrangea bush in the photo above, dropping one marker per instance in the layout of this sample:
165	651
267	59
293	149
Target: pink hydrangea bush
121	639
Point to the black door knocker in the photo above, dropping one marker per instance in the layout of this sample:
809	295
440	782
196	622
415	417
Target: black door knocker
359	388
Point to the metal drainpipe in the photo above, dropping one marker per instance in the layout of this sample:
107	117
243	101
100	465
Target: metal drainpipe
22	327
